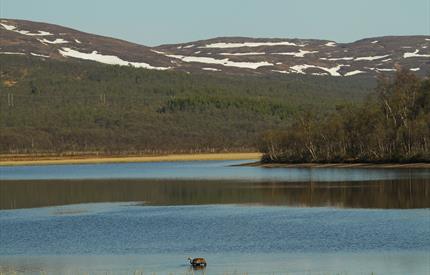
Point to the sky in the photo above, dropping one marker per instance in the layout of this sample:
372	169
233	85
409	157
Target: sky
156	22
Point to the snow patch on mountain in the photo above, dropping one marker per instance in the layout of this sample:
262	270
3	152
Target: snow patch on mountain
243	54
281	72
12	53
371	58
224	62
354	73
8	27
332	71
39	55
301	53
338	58
380	69
223	45
56	41
106	59
385	70
211	69
415	54
158	52
330	44
14	29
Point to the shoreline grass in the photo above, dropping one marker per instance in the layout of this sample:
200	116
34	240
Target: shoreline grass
49	159
15	160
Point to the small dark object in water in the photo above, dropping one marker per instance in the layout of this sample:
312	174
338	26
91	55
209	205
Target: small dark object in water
197	262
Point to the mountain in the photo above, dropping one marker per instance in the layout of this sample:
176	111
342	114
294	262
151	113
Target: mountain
229	55
223	94
20	37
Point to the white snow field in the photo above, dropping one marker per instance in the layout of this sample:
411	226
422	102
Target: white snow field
330	44
354	73
332	71
39	55
211	69
243	54
223	45
301	53
371	58
385	70
281	72
12	53
14	29
225	62
338	58
107	59
415	54
56	41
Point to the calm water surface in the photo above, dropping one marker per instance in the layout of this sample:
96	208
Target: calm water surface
206	170
149	217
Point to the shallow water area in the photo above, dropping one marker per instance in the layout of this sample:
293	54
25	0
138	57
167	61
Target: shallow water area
226	263
203	170
285	221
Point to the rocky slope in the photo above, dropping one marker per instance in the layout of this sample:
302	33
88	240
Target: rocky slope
232	55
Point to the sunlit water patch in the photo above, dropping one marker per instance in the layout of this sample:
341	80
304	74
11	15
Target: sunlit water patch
63	220
231	237
207	170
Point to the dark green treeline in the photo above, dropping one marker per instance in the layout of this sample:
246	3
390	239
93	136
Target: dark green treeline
49	106
393	126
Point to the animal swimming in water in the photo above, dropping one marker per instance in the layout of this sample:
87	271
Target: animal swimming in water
196	262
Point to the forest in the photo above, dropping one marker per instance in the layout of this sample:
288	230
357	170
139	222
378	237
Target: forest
391	126
65	107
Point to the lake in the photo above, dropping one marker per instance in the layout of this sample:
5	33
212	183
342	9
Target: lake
141	218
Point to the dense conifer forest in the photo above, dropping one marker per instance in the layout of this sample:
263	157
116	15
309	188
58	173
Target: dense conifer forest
60	107
392	126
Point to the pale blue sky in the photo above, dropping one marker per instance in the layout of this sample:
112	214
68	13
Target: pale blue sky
154	22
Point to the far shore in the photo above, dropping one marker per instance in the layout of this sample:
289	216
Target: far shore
341	165
11	160
253	157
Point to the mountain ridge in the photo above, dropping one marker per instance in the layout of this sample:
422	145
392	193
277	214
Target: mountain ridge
228	55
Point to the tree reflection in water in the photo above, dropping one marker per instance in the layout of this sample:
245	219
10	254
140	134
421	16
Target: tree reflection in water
403	194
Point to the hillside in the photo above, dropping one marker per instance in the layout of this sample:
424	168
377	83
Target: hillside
56	106
229	55
60	93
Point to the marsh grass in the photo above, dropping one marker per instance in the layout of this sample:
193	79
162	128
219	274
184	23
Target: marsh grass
9	161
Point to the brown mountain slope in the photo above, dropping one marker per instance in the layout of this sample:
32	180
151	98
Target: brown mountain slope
232	55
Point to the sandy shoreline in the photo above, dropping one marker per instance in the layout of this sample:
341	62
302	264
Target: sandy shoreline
10	160
341	165
50	160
